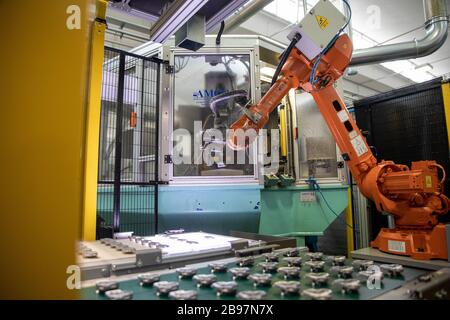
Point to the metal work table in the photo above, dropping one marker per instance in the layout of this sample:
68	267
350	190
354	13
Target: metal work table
148	293
379	256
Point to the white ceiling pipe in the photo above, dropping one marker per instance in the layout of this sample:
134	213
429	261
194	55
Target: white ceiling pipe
436	27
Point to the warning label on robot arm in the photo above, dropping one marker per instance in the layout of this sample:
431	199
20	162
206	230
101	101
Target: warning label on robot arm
322	21
359	145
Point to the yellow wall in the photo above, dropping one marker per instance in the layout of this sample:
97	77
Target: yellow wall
43	84
446	97
93	124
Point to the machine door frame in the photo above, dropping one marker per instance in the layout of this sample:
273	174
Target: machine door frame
130	82
167	116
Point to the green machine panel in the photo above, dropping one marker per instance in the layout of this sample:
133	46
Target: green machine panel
210	208
299	210
293	210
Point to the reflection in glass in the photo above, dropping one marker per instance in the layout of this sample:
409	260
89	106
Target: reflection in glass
198	78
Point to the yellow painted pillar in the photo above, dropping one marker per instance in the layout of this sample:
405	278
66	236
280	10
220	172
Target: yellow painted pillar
93	123
44	66
349	219
446	96
283	131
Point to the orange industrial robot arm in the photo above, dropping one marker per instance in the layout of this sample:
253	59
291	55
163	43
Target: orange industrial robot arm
413	196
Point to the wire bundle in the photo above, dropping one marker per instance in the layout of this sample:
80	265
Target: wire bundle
315	186
312	78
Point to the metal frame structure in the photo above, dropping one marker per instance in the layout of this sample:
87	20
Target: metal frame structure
119	90
169	126
229	46
226	12
261	49
178	13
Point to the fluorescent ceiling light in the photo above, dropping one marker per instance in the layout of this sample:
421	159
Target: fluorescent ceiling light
410	70
425	67
398	66
417	76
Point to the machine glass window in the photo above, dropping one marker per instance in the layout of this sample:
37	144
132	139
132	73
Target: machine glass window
198	78
138	121
317	148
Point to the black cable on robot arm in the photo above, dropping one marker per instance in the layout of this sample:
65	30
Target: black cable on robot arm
219	35
312	77
284	57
